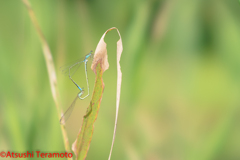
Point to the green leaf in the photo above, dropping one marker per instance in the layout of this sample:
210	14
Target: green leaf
99	65
82	143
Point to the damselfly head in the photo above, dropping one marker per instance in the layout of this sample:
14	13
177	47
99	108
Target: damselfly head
80	93
91	54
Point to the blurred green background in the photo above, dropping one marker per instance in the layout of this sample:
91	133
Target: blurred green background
180	97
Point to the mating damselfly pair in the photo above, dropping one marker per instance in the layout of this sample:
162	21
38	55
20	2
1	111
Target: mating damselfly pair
67	70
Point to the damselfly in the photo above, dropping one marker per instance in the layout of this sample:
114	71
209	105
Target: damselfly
68	69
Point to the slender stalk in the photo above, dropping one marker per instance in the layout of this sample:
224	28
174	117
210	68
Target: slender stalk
51	70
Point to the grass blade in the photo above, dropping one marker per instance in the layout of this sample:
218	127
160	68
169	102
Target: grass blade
82	143
50	67
99	65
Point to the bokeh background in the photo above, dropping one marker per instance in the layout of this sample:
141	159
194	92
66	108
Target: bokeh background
180	96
